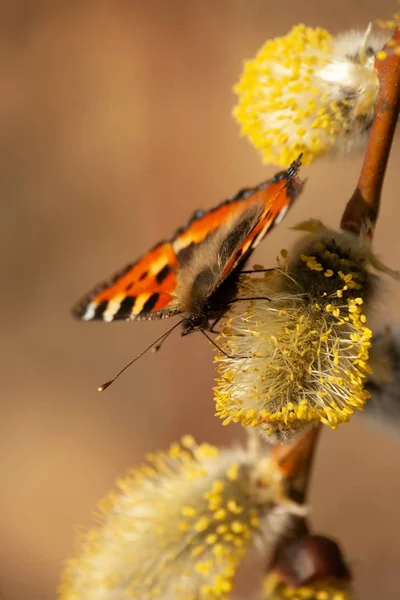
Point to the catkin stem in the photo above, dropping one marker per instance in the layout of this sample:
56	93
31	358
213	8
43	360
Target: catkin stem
295	461
363	206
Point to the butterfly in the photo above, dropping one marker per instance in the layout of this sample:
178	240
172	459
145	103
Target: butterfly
196	272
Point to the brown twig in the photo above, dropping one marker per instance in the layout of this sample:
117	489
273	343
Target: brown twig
295	461
309	558
363	207
300	556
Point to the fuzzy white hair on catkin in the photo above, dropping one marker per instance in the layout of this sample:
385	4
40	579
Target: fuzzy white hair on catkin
351	83
359	46
180	525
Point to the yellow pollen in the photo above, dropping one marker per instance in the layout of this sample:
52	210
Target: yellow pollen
308	350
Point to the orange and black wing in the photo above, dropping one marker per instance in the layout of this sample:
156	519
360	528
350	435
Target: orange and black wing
273	198
159	284
143	289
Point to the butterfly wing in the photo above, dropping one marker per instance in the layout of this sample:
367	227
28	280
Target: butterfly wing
178	275
273	198
145	287
255	212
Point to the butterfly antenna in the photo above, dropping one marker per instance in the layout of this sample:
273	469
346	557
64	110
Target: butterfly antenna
156	345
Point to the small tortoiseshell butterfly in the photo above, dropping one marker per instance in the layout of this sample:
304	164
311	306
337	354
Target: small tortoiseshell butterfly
196	272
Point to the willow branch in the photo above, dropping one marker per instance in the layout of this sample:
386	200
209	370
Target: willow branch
295	462
363	207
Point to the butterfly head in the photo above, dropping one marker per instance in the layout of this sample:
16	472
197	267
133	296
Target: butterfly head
195	322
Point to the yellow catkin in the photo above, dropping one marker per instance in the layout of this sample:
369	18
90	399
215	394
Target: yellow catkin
302	357
179	526
308	92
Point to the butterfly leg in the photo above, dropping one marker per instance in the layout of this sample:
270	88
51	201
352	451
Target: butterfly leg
214	323
219	348
217	320
247	271
248	299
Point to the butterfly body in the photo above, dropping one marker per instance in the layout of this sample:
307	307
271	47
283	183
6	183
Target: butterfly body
196	272
206	311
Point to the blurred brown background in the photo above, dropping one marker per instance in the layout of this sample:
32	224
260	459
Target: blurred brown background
114	126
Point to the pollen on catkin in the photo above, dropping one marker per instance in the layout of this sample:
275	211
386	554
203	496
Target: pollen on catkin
313	591
323	589
309	92
300	358
179	526
391	23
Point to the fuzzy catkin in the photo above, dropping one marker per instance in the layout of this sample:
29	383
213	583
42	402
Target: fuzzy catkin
179	526
300	358
309	92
